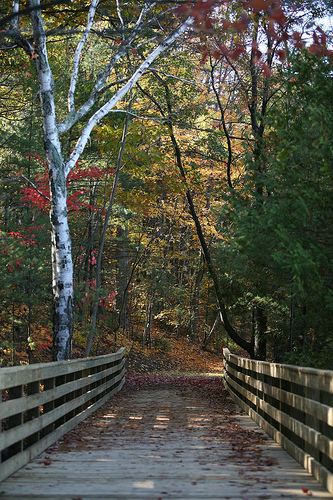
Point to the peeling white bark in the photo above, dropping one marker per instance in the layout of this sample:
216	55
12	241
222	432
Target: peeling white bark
16	9
62	266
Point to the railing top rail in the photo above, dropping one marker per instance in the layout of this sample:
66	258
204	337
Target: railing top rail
278	366
19	375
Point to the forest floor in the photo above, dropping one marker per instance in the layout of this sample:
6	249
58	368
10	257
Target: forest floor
182	356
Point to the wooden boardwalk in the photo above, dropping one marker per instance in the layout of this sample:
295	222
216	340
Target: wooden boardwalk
164	443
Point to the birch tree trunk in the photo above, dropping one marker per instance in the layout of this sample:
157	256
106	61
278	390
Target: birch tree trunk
62	265
62	268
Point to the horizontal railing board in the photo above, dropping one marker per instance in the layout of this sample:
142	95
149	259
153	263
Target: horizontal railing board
20	432
314	408
22	375
309	377
17	461
25	403
300	419
307	461
54	396
311	436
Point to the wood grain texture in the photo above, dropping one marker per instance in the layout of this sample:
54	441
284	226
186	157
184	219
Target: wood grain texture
302	424
52	399
163	443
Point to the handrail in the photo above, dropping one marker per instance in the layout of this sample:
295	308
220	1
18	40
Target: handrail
293	404
39	403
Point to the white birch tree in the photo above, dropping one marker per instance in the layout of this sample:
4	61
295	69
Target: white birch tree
90	113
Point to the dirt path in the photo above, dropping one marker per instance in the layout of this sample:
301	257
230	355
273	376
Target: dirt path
158	443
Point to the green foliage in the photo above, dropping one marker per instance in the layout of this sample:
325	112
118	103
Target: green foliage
279	254
163	344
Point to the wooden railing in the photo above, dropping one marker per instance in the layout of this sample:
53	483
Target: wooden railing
292	404
42	402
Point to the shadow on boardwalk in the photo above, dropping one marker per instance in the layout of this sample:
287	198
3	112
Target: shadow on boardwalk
165	438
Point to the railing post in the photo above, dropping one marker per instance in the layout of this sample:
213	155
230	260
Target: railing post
32	388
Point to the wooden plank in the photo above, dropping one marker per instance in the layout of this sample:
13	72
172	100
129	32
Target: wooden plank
20	375
17	461
179	461
13	406
7	438
247	394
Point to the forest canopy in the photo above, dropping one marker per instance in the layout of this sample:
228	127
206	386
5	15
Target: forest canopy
166	172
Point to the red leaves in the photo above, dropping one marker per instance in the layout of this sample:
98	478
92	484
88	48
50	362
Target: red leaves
267	72
281	53
307	492
297	38
258	5
241	24
26	239
109	302
233	53
93	261
272	8
201	12
319	45
39	198
276	14
92	283
205	19
236	52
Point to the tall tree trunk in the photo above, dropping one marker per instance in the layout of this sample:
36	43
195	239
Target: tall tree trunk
122	277
195	300
62	270
94	313
209	335
260	330
146	338
231	331
258	117
62	265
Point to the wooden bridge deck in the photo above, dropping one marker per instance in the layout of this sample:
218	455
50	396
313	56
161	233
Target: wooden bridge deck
159	444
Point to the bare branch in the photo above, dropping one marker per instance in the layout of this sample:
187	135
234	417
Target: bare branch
77	56
104	110
73	118
121	19
33	185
